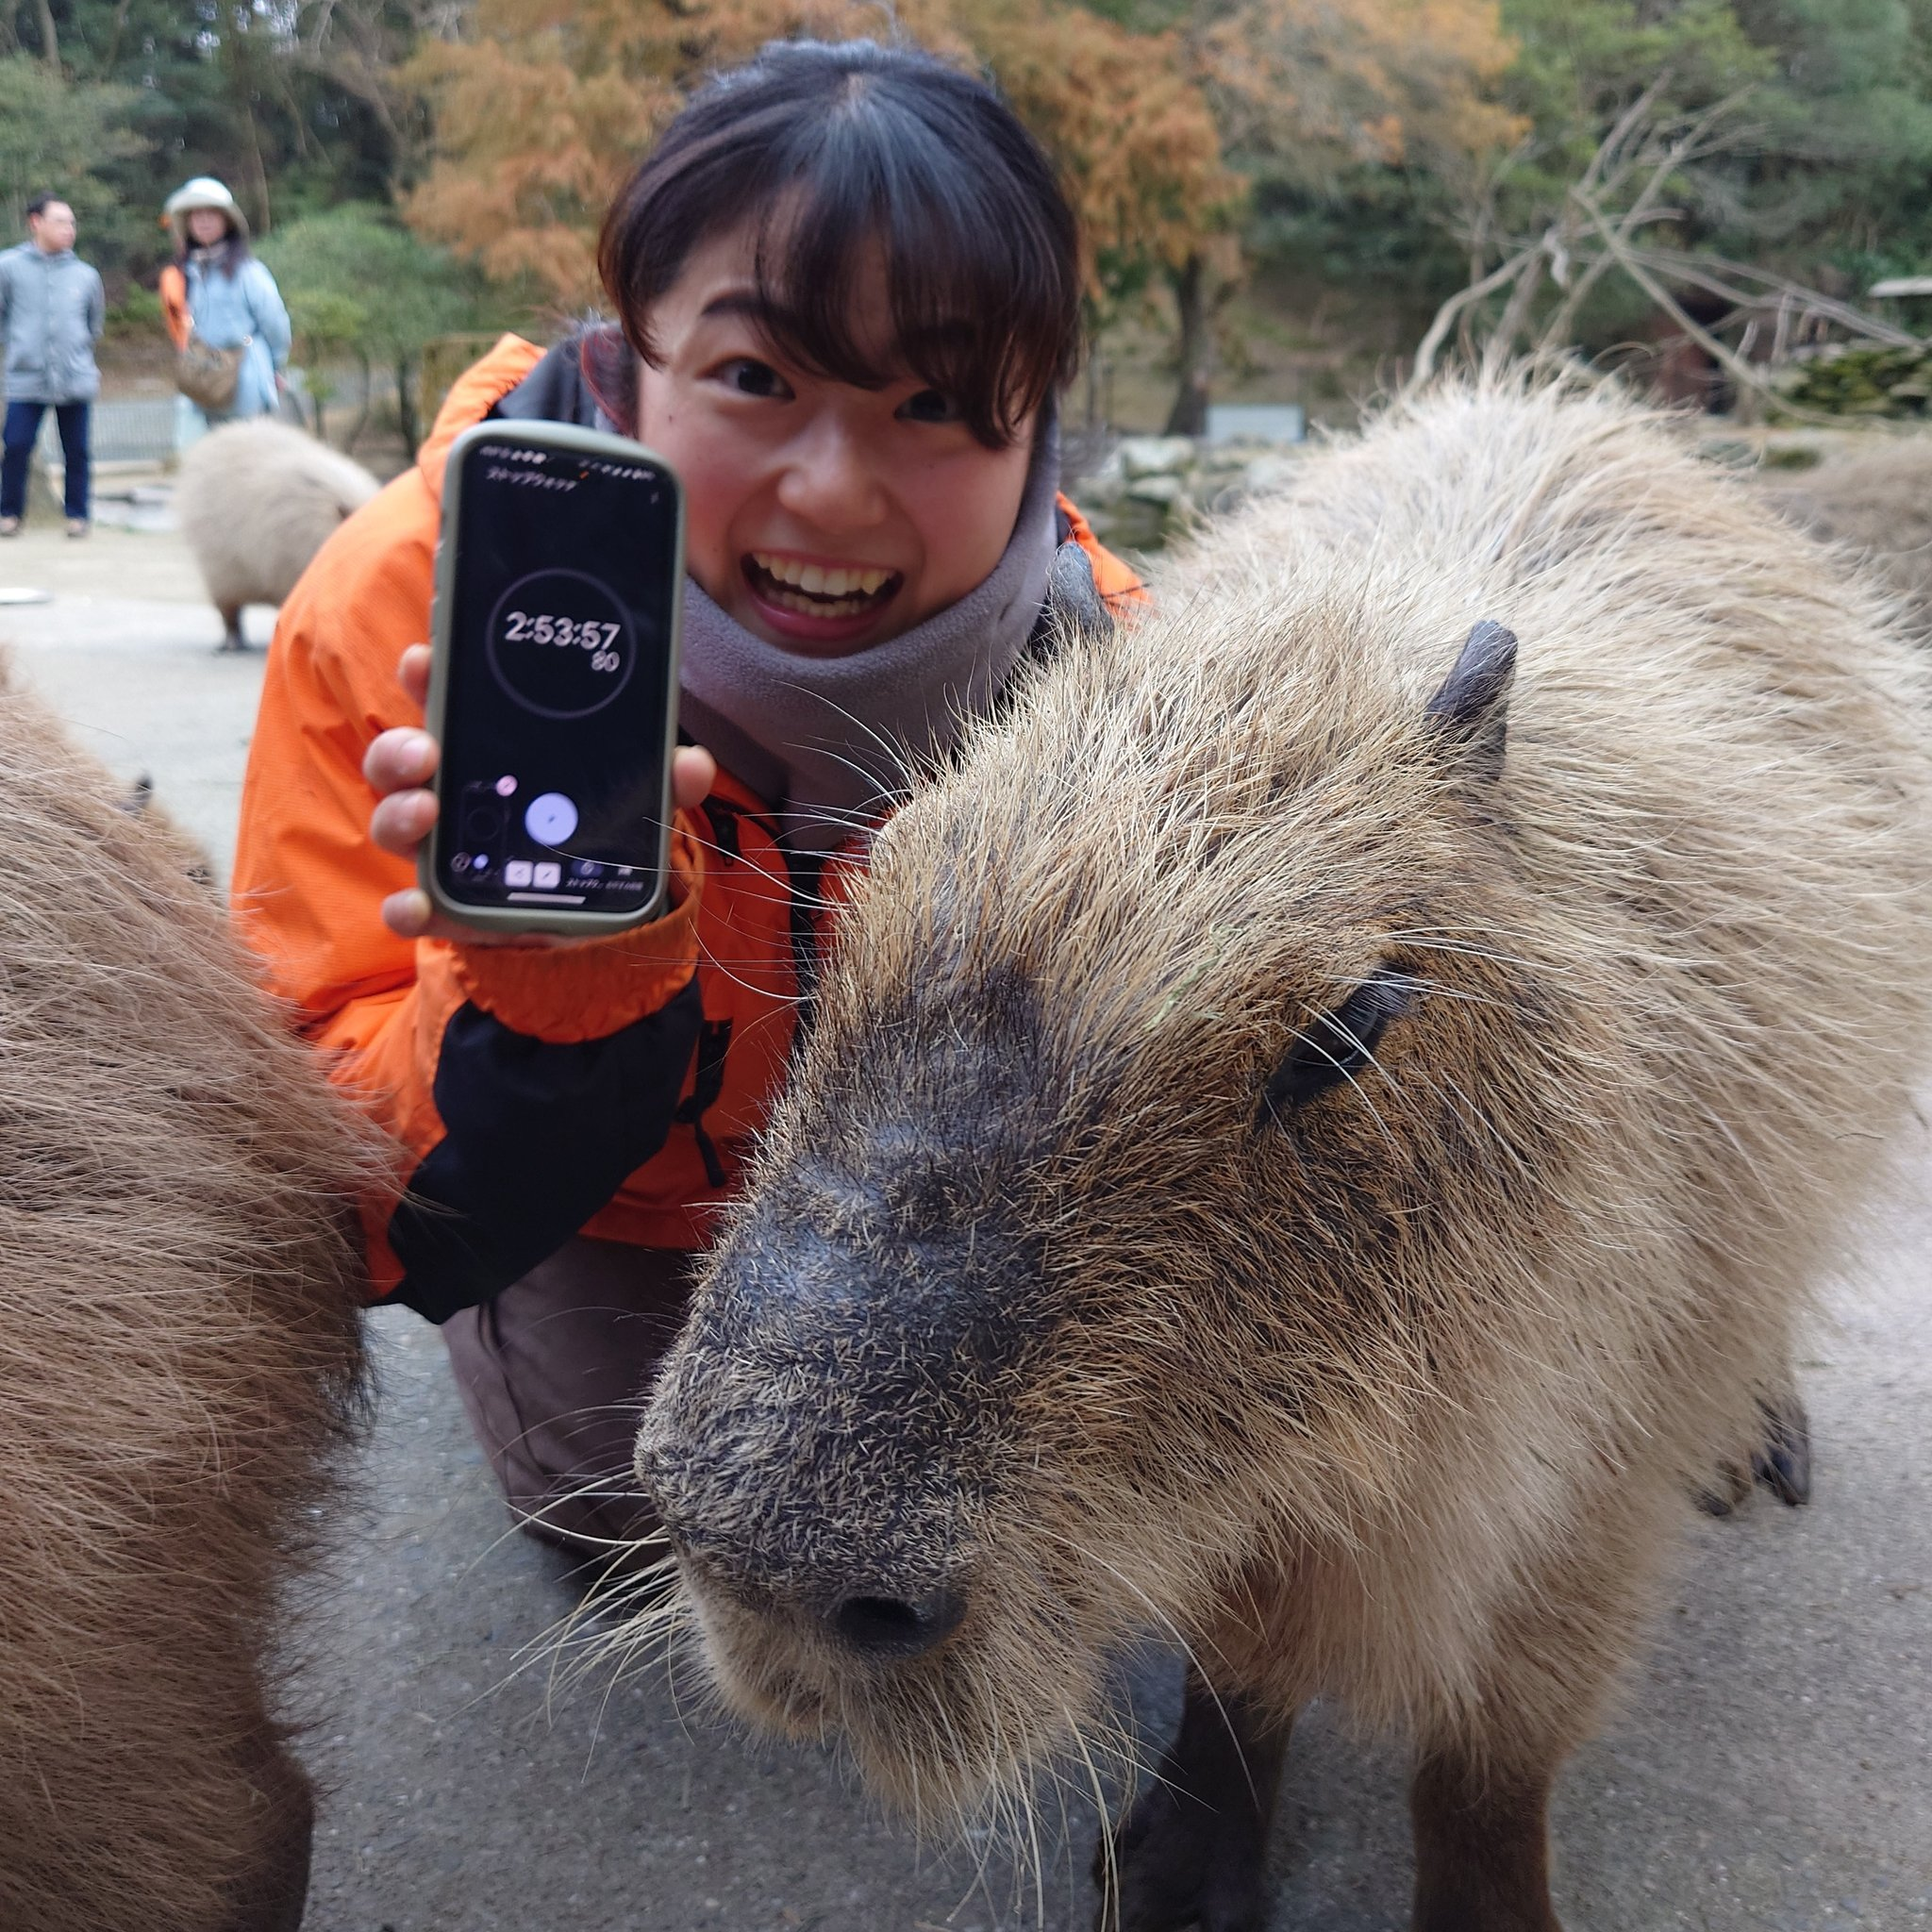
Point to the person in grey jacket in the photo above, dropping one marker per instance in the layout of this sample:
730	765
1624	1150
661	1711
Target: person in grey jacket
52	311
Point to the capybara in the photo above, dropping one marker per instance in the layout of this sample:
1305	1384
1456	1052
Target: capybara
256	501
1878	501
1313	1137
180	1365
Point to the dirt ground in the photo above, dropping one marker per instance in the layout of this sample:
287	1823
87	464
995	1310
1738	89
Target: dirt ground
1770	1764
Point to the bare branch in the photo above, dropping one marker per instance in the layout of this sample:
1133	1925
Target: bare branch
1680	151
1704	270
1516	310
1720	352
1431	344
1637	111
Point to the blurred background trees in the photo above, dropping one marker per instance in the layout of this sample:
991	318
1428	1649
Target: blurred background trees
359	283
1275	191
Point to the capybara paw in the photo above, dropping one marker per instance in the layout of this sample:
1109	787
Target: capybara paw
1783	1461
1176	1864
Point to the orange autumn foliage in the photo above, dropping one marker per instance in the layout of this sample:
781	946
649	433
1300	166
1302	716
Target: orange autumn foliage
1311	86
543	108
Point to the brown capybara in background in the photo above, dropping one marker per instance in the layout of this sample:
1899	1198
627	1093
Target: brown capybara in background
1879	502
256	501
1312	1142
181	1360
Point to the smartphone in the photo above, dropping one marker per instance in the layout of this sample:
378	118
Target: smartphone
553	690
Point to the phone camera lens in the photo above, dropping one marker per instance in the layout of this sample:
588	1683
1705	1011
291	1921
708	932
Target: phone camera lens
482	823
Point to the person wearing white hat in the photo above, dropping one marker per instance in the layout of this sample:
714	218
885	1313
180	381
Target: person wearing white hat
218	293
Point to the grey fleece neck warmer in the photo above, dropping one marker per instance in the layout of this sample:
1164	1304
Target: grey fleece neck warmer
832	740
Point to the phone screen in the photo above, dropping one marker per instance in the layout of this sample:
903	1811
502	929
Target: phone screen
560	641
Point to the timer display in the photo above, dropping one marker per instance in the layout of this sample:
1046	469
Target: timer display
560	645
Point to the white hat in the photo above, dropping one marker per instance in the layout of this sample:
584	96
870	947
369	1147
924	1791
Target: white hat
203	192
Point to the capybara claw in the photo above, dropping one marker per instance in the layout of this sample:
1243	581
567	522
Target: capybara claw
1729	1486
1177	1863
1783	1461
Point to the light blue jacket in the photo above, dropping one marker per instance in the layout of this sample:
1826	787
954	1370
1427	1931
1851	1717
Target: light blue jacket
246	306
52	313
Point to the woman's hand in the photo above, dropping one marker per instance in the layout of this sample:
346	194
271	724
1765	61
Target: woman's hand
400	765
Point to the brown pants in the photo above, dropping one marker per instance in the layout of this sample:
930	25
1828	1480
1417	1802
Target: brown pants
554	1374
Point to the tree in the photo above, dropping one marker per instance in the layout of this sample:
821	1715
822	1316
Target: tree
1132	135
294	105
1312	96
354	276
543	112
1680	165
55	136
1841	175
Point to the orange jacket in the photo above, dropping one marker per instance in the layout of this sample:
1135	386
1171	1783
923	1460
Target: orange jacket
174	294
668	1043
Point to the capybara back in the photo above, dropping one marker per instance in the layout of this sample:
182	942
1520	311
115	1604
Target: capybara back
179	1362
256	500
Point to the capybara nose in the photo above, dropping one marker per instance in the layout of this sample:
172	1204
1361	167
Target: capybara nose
889	1627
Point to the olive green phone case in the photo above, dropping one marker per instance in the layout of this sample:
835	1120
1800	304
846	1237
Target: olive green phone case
566	438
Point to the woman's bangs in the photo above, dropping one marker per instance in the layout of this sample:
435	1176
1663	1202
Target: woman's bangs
980	307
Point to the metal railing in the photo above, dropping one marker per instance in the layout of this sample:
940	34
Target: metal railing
133	430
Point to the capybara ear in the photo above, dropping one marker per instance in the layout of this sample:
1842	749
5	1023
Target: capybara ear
1074	612
1472	708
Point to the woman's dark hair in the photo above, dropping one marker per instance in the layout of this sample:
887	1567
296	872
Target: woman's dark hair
227	255
832	150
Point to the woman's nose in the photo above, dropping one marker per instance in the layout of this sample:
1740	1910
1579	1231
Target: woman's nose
831	480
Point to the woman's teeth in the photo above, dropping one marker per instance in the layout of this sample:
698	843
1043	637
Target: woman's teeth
813	590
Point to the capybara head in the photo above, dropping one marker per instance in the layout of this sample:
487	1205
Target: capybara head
1263	1109
1118	1150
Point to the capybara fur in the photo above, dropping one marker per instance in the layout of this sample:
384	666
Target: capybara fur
1877	501
1312	1139
180	1366
256	501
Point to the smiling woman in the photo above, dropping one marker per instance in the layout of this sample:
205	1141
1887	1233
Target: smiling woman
823	514
847	295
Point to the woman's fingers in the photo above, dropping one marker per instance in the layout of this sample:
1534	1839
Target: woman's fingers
693	772
401	821
412	673
400	759
401	763
408	914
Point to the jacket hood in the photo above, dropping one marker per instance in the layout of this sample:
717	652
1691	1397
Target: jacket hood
471	398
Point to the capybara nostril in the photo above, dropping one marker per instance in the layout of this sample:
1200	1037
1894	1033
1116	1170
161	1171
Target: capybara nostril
891	1626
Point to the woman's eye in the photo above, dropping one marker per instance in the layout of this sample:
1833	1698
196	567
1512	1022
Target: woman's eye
748	377
929	406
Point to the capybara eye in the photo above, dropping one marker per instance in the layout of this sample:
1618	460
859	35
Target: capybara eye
1337	1046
